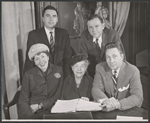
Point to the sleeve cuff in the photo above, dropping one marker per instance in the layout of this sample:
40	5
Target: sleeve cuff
101	100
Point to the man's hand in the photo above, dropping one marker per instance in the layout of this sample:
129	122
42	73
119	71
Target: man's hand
108	108
111	104
85	98
34	107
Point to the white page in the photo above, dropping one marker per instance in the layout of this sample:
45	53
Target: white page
129	118
88	106
64	106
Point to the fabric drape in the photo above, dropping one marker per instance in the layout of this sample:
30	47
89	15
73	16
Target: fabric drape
119	13
17	21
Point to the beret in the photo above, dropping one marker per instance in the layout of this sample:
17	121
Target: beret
37	48
78	58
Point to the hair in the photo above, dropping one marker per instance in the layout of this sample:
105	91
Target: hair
114	45
46	52
49	7
95	16
87	62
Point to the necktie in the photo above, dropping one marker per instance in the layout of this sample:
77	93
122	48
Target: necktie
115	80
97	45
51	42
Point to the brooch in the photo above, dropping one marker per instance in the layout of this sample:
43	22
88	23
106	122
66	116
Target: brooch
57	75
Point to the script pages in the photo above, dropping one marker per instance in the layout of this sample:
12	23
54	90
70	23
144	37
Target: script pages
64	106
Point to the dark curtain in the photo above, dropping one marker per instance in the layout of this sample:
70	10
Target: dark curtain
135	36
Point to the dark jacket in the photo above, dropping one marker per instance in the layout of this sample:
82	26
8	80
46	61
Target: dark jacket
70	91
38	89
62	48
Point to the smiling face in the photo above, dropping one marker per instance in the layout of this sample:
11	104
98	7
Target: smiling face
95	27
79	68
41	60
114	58
50	19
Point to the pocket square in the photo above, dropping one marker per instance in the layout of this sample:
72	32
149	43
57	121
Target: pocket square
123	88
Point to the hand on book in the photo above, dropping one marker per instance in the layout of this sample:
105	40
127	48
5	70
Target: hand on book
34	107
85	98
111	104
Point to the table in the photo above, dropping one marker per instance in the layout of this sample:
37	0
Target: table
101	115
136	111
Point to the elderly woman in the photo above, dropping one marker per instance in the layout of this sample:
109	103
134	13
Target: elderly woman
78	84
41	86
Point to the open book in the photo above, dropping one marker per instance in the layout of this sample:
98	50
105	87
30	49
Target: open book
64	106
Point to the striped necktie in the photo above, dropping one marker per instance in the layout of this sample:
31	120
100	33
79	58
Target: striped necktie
115	80
52	42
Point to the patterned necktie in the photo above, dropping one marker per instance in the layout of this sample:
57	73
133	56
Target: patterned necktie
115	80
52	42
97	46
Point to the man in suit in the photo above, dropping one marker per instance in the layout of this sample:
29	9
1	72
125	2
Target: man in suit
117	83
56	39
94	39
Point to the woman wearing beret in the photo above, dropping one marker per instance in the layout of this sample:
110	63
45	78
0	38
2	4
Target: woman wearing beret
41	85
78	84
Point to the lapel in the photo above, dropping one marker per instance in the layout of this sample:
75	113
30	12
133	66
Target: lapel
109	80
104	42
93	45
44	36
73	83
121	75
45	41
84	83
37	72
57	41
51	69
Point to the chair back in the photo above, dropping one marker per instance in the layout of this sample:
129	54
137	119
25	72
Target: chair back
11	103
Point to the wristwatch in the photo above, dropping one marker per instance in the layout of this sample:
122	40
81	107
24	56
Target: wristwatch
40	106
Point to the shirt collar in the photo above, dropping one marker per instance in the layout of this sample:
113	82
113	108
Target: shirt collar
99	39
117	71
47	31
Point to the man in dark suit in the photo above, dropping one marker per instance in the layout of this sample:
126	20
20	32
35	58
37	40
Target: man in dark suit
56	39
94	39
116	82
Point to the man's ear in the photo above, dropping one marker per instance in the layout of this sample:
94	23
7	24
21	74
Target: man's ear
122	55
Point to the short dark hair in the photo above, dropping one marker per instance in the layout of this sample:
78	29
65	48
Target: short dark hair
114	45
95	16
49	7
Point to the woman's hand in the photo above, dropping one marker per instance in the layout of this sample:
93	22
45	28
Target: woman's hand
85	98
34	107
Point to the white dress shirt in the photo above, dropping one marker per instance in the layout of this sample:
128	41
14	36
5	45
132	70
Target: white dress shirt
116	73
99	40
48	33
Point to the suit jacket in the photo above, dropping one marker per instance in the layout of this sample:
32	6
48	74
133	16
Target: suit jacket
129	88
39	89
70	91
88	46
62	48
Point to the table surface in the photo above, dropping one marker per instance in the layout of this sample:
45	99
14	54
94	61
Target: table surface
101	115
135	112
